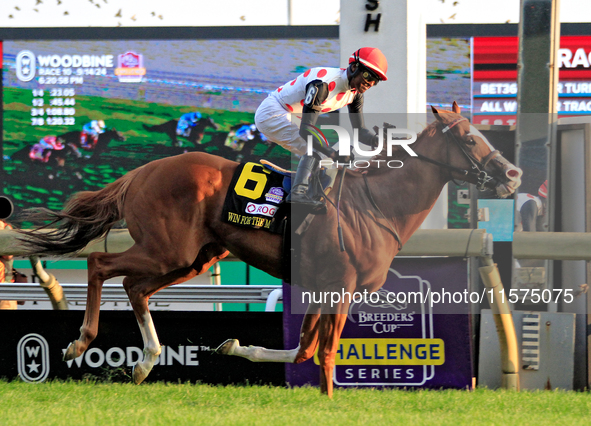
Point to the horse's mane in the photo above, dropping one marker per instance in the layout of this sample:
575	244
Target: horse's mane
398	153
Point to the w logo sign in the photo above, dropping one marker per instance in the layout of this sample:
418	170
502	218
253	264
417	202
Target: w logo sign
33	358
25	65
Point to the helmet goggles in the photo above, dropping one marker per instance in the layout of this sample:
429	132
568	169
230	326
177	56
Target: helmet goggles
367	74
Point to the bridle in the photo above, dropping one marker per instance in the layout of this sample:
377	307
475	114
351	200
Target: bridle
477	171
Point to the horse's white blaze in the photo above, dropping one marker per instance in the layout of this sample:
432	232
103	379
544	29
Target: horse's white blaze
475	132
259	354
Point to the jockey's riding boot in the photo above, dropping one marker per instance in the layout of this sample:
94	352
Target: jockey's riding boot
299	194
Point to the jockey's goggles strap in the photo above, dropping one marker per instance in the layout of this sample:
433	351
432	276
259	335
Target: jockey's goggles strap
449	126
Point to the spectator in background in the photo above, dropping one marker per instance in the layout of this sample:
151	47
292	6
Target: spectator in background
6	272
8	275
532	210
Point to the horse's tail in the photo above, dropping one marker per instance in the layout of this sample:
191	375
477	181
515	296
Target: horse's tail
88	215
148	128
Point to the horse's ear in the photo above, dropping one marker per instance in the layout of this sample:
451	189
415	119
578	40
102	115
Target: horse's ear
455	108
435	112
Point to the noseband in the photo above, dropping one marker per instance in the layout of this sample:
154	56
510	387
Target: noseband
478	167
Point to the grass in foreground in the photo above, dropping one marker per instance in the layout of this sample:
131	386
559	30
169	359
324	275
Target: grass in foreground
89	403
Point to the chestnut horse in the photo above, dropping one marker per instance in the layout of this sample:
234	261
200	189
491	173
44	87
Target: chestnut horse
173	210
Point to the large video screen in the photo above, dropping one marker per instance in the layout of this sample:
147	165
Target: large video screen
78	114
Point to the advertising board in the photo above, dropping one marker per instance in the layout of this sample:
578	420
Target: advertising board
412	340
494	78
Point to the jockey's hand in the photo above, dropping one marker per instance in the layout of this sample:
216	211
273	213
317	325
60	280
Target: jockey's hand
346	159
376	129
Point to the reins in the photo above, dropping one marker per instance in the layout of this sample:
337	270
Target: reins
339	229
477	172
375	206
337	206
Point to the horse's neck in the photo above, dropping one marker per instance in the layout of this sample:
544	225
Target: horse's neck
407	195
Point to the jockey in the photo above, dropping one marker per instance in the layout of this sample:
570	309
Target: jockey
91	130
41	151
52	142
247	132
317	91
186	122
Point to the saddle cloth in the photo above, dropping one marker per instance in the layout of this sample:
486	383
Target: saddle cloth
256	194
254	197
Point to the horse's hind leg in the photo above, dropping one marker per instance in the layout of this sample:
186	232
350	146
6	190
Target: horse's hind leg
139	290
101	267
96	278
304	351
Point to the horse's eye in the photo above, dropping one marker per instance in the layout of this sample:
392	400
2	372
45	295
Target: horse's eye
470	140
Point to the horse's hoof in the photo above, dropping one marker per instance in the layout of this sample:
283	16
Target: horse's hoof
71	351
227	348
139	374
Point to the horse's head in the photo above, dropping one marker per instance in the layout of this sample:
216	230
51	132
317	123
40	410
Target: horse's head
115	134
471	157
208	122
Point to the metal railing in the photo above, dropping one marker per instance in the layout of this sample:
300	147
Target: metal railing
268	294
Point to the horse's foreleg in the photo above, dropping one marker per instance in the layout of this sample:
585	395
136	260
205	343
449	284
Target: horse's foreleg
308	334
304	351
331	327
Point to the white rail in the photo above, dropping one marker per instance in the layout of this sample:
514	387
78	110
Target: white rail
268	294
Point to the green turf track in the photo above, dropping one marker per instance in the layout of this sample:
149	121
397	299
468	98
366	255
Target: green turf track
90	403
28	185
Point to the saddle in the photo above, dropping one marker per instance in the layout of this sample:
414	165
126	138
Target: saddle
256	200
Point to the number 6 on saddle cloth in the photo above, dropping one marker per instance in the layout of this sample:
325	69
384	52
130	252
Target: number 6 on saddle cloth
257	193
256	199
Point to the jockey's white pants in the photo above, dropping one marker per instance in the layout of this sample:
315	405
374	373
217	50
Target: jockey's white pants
280	126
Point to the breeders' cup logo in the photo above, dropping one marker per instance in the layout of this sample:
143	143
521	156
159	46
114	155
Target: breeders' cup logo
33	358
130	67
392	341
275	195
25	65
369	315
262	209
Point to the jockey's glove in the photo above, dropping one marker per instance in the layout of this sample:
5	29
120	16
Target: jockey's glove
337	158
374	142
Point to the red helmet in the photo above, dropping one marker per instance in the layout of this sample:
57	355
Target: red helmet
373	59
543	190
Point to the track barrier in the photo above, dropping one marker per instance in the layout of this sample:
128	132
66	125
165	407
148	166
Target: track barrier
454	243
